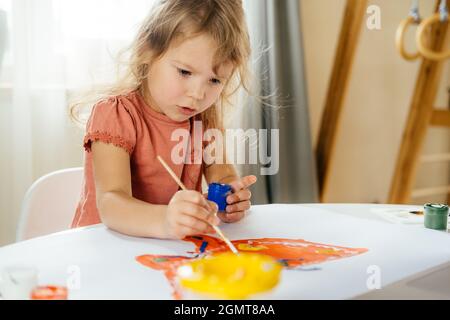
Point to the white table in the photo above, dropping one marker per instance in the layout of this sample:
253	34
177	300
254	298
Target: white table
105	260
433	283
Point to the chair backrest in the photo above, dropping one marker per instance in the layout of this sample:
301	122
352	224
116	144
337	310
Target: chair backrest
50	203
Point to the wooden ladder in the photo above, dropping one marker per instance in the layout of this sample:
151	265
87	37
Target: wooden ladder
422	115
354	14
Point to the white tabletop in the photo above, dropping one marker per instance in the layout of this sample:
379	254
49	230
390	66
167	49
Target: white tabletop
103	262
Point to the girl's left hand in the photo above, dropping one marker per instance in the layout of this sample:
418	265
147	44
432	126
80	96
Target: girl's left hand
238	201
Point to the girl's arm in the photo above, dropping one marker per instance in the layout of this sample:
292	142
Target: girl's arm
187	213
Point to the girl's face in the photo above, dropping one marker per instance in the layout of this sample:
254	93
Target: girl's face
182	83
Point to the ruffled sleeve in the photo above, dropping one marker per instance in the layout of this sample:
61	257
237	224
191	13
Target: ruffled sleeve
111	122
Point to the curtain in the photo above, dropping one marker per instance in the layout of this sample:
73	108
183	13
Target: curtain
48	50
278	60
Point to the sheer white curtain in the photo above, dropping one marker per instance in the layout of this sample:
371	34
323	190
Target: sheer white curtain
49	48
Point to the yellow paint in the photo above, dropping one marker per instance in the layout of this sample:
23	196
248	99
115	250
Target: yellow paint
249	247
326	251
230	276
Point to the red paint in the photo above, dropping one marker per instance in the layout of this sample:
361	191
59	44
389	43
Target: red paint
49	293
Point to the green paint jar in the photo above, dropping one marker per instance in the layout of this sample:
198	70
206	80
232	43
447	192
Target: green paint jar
436	216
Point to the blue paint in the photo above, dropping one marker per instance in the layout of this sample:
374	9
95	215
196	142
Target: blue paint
284	262
307	268
218	193
203	246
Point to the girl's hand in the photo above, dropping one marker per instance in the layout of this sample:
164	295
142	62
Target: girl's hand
239	201
189	213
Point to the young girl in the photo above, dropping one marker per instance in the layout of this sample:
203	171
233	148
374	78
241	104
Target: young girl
183	62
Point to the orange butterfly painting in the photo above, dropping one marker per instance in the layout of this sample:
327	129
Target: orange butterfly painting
293	254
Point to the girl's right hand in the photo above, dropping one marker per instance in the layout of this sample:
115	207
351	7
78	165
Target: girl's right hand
189	213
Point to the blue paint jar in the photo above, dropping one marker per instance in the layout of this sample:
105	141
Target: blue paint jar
218	193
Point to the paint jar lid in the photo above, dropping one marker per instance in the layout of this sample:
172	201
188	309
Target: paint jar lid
436	208
219	188
49	293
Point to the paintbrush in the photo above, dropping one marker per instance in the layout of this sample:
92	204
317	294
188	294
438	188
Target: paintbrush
182	186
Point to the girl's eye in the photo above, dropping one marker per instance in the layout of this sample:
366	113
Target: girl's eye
184	72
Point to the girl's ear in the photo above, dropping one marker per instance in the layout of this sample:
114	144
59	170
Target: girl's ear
148	58
146	55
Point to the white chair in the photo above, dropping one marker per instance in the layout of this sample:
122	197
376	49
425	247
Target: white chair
50	203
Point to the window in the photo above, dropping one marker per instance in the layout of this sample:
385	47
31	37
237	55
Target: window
69	43
5	45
